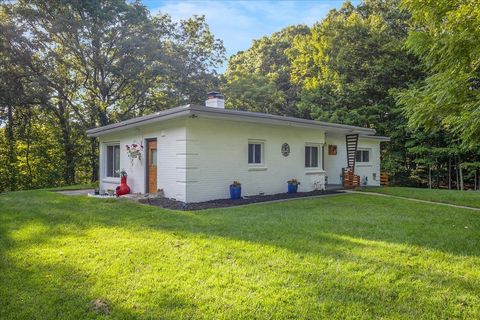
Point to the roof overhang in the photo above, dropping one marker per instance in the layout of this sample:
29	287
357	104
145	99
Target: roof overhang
169	114
379	138
256	117
232	115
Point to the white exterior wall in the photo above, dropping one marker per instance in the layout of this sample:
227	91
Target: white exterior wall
218	155
335	163
171	158
199	158
370	170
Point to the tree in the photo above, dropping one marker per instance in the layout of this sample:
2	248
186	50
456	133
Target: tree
18	90
66	66
106	61
254	93
445	37
351	60
266	61
193	56
349	68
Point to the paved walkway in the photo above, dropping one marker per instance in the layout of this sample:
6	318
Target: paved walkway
412	199
82	192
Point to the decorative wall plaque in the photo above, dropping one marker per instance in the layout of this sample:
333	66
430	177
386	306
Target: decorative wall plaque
332	150
285	149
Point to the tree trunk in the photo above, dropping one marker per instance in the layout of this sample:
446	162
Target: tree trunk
68	149
11	152
27	155
478	180
460	172
475	180
430	177
456	174
449	173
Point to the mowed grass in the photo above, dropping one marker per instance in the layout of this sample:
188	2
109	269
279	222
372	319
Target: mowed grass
462	198
348	256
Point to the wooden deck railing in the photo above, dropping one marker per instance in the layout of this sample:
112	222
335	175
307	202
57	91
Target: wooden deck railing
383	179
350	179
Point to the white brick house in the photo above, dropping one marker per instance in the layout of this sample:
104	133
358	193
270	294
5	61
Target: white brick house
194	153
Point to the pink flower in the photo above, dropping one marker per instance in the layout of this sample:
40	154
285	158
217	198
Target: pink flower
134	145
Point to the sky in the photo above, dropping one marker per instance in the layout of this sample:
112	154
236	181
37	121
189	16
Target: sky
238	23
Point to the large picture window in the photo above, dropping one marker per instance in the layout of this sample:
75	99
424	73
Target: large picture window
255	153
113	161
311	156
362	156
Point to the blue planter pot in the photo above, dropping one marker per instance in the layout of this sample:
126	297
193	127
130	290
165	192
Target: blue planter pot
292	188
235	192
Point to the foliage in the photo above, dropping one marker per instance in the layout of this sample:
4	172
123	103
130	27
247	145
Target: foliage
254	93
134	151
349	68
445	37
408	69
294	182
350	61
72	65
236	184
349	256
259	77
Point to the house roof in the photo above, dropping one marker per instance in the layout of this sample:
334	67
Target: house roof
228	114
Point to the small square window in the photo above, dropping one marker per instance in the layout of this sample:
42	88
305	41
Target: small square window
311	157
255	153
362	156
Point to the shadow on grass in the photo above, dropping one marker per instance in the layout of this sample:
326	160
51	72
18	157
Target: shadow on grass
295	225
335	229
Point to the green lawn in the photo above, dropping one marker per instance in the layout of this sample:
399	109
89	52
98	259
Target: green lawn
348	256
462	198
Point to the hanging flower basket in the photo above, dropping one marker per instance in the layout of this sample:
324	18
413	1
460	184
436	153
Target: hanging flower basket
134	151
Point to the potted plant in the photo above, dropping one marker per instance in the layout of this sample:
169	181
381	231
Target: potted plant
96	185
235	190
293	185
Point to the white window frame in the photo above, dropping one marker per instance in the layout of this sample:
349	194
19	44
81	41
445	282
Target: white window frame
262	153
369	156
105	161
319	155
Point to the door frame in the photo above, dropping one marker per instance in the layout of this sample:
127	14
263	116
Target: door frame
147	157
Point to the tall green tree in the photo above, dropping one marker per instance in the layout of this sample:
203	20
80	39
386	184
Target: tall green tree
106	61
351	60
66	66
261	74
19	90
445	37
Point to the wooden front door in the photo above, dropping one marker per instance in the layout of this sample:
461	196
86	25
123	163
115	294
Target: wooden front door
152	166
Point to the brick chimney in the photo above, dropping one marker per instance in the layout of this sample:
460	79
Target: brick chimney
215	100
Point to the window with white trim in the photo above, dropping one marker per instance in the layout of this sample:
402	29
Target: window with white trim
255	152
362	156
311	156
112	161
